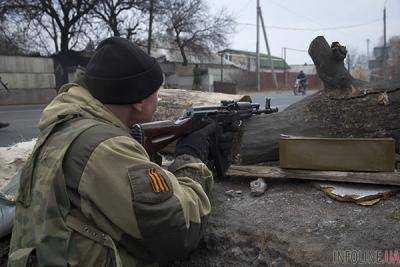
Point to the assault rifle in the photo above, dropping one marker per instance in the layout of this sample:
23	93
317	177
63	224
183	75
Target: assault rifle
230	115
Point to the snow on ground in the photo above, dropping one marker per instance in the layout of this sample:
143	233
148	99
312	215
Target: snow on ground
12	158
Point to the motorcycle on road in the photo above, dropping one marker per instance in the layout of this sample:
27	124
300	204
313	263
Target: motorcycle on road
300	87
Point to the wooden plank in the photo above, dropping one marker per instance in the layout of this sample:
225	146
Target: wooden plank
338	154
276	173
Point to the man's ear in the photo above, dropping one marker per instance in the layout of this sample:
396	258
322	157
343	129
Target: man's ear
138	106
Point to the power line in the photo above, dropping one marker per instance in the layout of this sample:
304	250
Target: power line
295	49
243	8
295	13
314	29
315	21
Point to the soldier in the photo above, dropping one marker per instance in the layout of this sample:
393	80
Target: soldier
197	72
89	195
3	89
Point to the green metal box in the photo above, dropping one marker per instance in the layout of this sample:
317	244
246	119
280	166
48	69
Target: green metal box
337	154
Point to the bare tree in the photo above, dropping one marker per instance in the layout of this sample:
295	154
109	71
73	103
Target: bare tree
9	43
150	27
191	27
60	20
153	8
12	36
119	16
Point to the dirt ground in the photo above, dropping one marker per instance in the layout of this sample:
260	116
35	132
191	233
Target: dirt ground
294	224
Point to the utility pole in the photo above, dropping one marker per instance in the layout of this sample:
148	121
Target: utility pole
258	49
284	67
271	63
285	49
150	32
368	48
385	54
222	67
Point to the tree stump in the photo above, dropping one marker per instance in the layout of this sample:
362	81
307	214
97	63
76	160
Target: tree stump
346	107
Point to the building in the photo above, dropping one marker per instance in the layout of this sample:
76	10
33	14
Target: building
377	64
285	74
247	60
211	67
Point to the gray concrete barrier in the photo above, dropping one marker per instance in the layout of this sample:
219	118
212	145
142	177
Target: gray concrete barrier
19	64
27	96
29	80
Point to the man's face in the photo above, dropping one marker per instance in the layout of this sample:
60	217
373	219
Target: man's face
144	111
150	106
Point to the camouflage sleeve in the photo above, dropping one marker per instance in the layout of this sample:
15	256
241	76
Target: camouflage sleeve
141	205
187	166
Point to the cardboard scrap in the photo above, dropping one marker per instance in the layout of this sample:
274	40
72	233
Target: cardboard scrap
362	194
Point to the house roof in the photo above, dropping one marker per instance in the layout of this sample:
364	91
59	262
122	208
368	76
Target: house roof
279	63
247	53
176	57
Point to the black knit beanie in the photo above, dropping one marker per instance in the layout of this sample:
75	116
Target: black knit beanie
122	73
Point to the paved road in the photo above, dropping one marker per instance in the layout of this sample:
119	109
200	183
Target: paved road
23	119
278	99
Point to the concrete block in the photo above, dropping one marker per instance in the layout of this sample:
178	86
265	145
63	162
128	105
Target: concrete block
28	80
184	70
182	82
335	154
27	97
19	64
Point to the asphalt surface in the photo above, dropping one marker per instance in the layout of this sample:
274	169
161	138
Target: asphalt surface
23	119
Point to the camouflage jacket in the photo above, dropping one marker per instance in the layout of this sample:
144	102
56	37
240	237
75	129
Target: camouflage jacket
90	196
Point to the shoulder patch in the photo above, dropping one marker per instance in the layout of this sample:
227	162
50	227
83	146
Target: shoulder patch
149	183
157	181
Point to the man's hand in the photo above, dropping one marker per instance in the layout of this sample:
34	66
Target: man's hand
205	143
197	143
225	144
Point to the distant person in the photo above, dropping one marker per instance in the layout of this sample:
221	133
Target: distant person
301	83
3	90
196	78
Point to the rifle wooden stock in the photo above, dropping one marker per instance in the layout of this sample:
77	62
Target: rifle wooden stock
158	134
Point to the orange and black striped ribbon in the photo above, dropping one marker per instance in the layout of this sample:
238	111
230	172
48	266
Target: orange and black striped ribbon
157	181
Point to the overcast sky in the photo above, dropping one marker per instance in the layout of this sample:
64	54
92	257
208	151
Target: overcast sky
311	14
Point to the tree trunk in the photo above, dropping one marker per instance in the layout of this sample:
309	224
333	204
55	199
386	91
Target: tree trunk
64	46
184	58
182	50
346	107
150	31
113	23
